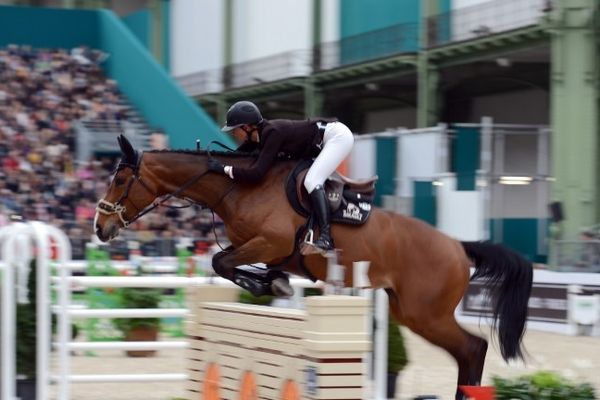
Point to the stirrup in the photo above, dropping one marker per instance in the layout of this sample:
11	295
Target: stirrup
310	237
308	244
308	248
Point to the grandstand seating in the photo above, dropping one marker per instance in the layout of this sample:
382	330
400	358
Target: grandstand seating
47	97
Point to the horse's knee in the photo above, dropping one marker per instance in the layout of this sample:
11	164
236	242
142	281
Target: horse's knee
219	266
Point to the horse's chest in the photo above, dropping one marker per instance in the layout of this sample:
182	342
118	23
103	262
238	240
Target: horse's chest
241	231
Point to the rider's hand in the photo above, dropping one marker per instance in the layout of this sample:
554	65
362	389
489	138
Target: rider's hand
216	166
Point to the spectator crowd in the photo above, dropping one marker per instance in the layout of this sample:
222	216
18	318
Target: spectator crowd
43	93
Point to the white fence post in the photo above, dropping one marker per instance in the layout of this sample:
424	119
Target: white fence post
22	234
8	324
381	344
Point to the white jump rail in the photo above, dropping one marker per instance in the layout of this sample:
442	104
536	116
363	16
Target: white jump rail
18	240
65	284
127	378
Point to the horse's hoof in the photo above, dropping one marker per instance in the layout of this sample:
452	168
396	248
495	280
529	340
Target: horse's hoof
281	288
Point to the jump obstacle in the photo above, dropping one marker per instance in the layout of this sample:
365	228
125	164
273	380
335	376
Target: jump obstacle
323	355
240	351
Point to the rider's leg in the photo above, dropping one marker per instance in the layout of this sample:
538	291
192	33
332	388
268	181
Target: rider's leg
337	144
320	205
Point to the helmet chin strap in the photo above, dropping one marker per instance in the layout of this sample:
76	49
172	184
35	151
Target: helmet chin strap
249	132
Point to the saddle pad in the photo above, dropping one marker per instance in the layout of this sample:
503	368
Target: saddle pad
353	208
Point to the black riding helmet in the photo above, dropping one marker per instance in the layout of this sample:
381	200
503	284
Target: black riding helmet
242	113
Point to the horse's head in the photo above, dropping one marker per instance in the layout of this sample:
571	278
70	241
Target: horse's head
127	196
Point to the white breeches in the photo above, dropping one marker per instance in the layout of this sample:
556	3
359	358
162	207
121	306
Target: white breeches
337	144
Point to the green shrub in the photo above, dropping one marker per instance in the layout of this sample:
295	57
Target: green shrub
137	298
542	385
26	352
26	340
248	298
397	357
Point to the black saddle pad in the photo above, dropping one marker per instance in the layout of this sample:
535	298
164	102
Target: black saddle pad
354	208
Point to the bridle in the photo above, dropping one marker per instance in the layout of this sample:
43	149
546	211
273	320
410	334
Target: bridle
105	207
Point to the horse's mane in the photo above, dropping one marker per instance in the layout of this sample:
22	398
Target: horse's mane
235	154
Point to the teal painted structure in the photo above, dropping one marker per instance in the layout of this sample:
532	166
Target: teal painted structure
48	28
140	78
372	29
139	23
385	167
166	34
360	16
425	202
151	89
466	146
522	235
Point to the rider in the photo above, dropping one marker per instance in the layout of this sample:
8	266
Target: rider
327	139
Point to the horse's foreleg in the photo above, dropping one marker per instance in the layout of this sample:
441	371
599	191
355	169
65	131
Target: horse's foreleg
257	282
220	269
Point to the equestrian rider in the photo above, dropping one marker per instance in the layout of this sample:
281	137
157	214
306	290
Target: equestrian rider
329	140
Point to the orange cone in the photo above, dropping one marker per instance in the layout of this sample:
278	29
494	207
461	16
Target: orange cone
479	392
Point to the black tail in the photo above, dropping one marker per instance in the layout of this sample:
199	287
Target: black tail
509	276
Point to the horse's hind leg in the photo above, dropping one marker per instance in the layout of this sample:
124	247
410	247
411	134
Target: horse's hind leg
467	349
477	352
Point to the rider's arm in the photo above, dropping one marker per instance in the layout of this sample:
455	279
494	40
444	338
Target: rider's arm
271	145
247	147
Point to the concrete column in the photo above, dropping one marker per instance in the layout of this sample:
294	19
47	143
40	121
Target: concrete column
428	75
228	27
427	92
316	35
156	29
313	99
575	90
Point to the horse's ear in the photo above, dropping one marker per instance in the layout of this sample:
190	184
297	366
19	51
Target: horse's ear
126	147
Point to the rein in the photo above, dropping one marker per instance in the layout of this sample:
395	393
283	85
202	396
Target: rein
107	208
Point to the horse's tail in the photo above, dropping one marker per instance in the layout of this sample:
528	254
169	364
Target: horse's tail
508	276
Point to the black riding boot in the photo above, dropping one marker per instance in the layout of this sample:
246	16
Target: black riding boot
320	205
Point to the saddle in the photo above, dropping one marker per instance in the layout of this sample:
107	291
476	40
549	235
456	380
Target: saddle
350	200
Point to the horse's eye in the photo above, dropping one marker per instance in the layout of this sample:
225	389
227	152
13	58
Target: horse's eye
119	181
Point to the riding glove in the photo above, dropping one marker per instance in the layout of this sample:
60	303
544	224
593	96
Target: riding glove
216	166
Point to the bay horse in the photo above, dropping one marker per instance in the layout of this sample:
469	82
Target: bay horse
424	272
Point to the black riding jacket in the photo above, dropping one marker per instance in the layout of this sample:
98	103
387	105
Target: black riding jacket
281	138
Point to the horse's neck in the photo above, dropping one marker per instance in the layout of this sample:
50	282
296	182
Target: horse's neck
173	170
